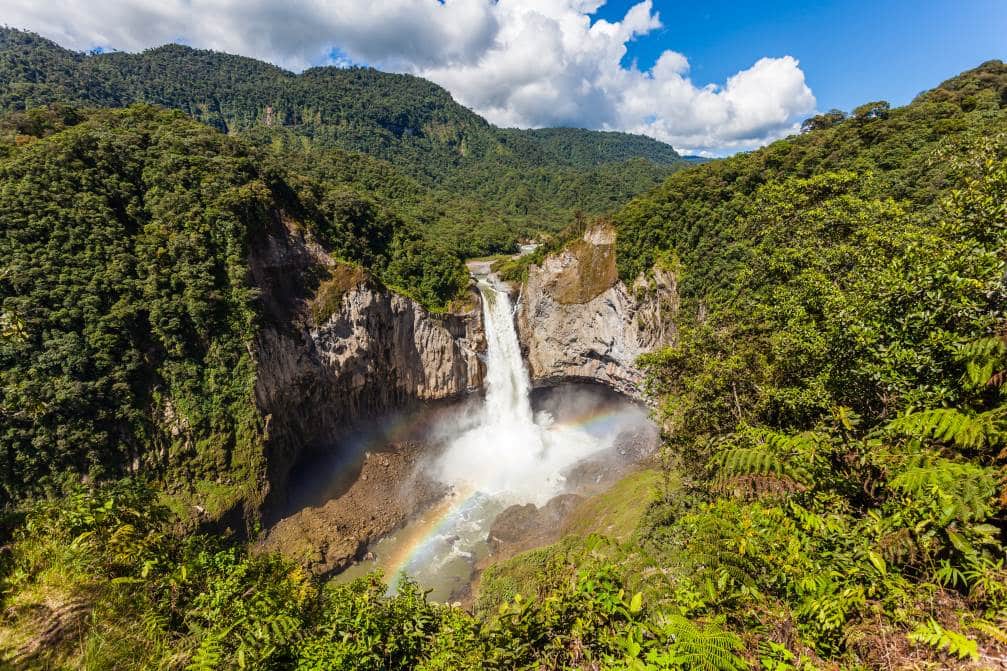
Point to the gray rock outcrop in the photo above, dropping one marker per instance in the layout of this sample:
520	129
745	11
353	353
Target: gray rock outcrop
346	349
578	321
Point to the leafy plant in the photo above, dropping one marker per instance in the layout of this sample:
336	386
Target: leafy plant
939	638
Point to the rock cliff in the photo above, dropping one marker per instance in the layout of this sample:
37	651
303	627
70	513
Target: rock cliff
578	321
338	348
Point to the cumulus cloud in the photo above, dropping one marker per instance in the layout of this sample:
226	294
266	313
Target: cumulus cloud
524	63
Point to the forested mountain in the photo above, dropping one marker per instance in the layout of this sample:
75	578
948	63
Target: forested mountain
126	239
862	213
523	176
579	148
832	406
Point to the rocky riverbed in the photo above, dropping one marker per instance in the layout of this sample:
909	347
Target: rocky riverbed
388	489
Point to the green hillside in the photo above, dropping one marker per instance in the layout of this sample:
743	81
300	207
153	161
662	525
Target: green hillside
579	148
836	393
525	180
126	237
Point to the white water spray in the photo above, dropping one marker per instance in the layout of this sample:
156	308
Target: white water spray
509	455
502	455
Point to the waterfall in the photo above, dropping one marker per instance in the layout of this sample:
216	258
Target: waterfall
507	386
509	454
503	454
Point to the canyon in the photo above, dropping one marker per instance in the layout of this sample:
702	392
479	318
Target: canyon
349	352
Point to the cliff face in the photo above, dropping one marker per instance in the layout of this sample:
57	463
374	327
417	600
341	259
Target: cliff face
577	320
338	348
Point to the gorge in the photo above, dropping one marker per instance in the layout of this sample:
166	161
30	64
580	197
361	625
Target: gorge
477	460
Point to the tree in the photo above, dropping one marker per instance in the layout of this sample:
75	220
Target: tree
879	109
821	121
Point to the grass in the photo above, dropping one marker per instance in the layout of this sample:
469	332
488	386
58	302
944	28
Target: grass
617	512
329	297
603	527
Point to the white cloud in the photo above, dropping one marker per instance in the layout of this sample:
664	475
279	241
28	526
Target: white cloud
517	62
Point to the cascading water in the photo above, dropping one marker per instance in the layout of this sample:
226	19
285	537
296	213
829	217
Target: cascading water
507	383
508	455
503	455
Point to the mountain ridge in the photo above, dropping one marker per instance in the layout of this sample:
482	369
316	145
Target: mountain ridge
235	93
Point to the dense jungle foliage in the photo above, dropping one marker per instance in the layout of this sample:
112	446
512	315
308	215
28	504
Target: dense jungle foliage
835	433
525	181
126	238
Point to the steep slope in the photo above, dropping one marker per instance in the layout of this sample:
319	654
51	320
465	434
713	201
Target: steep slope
837	206
578	321
695	212
123	240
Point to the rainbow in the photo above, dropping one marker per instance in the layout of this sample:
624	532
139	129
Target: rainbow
415	544
418	542
596	422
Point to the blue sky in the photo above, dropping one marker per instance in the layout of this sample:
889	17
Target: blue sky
712	77
850	52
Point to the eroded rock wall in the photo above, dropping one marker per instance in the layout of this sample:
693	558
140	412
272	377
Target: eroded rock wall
337	348
578	321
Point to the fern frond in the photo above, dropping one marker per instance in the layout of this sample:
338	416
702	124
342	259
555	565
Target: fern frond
990	630
939	638
208	655
703	648
969	432
832	608
758	470
965	490
983	357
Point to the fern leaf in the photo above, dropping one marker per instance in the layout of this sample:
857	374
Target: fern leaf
991	630
758	470
968	432
703	648
939	638
208	655
982	357
965	490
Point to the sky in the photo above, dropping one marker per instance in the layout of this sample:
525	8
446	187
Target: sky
711	77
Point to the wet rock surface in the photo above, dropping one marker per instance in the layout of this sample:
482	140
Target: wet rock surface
388	490
523	527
